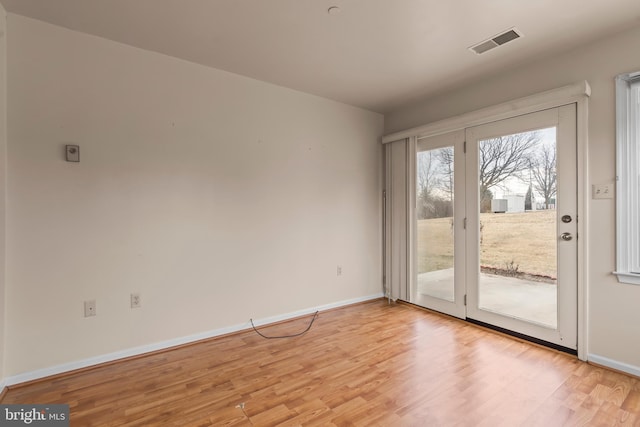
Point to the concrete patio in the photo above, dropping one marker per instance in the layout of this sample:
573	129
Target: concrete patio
523	299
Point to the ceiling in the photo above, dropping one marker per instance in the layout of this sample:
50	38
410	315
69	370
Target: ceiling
375	54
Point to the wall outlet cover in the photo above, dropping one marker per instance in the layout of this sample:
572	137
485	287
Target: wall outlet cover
136	302
72	153
90	308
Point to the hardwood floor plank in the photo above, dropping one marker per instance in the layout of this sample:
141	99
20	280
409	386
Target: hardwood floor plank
368	364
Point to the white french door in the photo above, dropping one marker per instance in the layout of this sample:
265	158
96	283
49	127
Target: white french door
495	226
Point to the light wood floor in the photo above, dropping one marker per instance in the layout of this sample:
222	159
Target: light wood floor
367	364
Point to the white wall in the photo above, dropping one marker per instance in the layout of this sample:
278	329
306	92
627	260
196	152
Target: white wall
613	310
3	182
219	198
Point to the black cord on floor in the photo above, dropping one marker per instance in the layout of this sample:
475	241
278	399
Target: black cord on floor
285	336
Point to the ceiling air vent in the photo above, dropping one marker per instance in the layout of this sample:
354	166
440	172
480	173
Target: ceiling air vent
496	41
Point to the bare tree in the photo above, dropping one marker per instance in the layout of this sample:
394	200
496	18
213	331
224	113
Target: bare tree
502	158
543	171
434	184
427	182
445	156
427	172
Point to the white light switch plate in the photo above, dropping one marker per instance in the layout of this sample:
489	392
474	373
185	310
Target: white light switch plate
603	191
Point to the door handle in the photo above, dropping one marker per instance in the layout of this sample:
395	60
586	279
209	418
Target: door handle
566	236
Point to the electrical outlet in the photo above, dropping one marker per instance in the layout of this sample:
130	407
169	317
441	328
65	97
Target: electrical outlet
72	153
136	302
339	270
90	308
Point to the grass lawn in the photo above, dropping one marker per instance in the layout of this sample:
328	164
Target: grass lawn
527	239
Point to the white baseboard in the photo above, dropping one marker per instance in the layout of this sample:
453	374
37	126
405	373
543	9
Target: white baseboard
66	367
614	364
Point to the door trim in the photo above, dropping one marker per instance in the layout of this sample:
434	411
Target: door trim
517	107
577	93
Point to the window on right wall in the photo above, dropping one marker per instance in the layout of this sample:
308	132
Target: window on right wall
628	177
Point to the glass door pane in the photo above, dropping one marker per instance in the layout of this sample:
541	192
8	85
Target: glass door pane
518	254
435	231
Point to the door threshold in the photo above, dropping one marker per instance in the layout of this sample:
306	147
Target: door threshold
523	337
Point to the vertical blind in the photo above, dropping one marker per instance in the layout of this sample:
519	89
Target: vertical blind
396	221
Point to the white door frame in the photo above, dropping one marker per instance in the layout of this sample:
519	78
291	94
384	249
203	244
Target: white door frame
577	93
